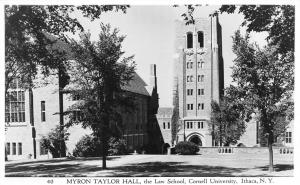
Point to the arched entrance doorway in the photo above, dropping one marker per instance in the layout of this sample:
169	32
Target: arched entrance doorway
195	139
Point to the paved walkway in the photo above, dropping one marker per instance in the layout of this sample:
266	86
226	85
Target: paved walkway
155	165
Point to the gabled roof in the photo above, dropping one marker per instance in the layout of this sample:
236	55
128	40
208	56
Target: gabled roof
137	85
166	111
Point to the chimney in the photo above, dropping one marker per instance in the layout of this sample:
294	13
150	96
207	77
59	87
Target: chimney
153	80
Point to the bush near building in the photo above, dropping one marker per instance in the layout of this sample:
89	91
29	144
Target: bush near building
186	148
117	146
89	146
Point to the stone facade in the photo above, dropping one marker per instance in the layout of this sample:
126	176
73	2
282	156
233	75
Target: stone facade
199	79
22	136
199	72
164	117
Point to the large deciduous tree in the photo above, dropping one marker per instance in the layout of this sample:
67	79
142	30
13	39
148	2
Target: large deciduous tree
265	83
277	20
27	41
228	121
33	37
99	72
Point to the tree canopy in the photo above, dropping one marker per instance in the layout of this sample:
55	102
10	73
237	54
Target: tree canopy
265	84
277	20
98	74
27	42
227	120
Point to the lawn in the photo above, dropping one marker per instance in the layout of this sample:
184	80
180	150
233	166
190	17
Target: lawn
154	165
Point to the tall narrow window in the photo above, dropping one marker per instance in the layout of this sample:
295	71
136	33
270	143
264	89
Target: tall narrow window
189	39
200	106
19	148
43	111
168	125
190	106
200	78
15	106
14	148
201	39
164	125
8	148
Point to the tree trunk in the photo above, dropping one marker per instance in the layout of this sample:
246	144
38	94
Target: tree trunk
104	151
62	147
270	142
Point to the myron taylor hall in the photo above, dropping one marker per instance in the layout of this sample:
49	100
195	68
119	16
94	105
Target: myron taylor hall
198	79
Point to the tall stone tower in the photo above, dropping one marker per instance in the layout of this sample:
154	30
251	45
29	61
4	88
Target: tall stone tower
200	77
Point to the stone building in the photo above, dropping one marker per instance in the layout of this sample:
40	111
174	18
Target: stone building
200	76
164	118
199	79
25	127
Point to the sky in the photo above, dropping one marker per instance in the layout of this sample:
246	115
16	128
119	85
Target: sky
150	34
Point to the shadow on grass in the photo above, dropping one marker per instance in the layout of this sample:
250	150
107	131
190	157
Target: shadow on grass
61	160
278	167
154	169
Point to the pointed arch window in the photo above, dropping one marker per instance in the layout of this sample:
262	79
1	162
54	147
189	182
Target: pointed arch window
189	38
201	39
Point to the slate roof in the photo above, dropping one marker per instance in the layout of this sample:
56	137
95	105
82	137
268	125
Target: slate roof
137	85
166	111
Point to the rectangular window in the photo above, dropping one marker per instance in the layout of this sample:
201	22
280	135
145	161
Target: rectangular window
43	111
187	78
201	65
200	106
200	78
19	148
168	125
191	124
14	148
190	92
187	125
189	106
200	91
15	107
164	125
288	137
189	65
202	124
8	148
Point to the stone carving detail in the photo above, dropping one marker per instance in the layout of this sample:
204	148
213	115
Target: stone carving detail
191	51
201	51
